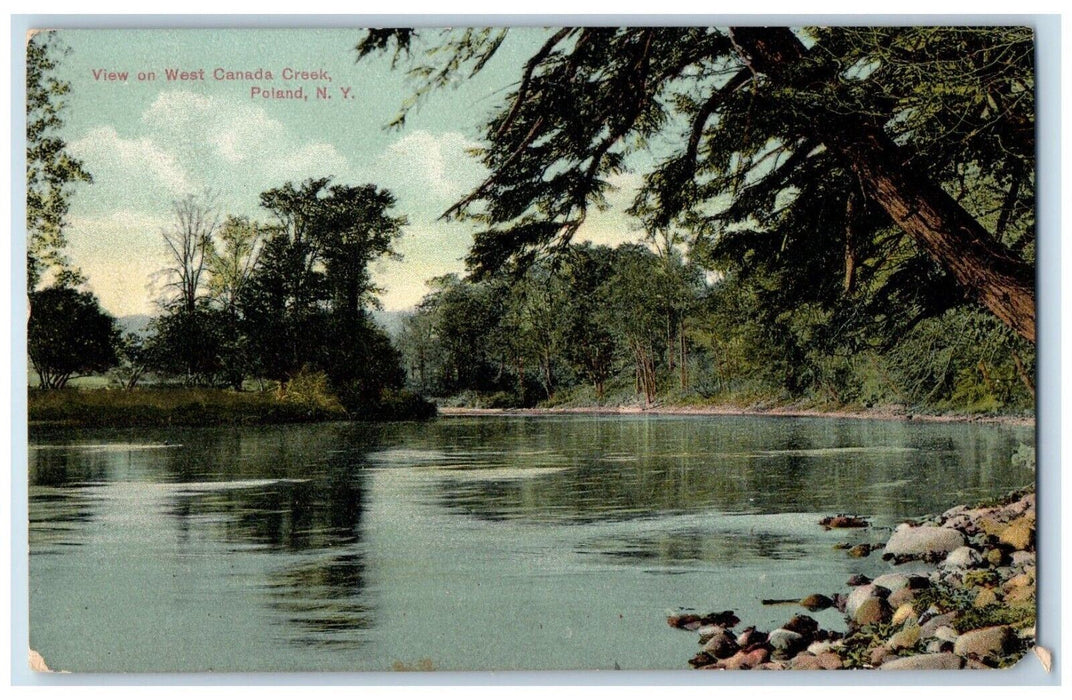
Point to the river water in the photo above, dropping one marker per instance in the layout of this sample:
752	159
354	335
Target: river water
464	543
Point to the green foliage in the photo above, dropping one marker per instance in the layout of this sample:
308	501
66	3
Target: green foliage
143	407
68	335
310	390
51	172
286	302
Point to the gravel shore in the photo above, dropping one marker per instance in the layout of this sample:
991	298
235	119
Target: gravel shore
960	593
890	413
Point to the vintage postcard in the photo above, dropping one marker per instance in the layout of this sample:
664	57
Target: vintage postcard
488	348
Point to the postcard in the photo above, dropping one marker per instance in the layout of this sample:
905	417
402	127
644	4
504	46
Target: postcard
492	348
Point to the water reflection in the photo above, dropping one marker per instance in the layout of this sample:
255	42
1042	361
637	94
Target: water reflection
643	467
352	546
300	492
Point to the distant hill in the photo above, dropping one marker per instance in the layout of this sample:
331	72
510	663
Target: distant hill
135	323
390	321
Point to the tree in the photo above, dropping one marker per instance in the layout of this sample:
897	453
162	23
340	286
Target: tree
883	113
69	336
51	172
586	320
232	260
190	247
306	301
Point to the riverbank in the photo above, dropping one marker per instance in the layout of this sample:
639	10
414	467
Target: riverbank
171	406
891	414
960	593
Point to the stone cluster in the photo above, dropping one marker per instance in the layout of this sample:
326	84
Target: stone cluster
961	593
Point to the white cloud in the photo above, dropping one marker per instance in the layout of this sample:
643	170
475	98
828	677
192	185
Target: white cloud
237	133
439	164
115	160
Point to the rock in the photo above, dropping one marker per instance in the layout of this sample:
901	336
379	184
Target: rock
701	660
805	662
751	636
803	625
924	662
901	597
903	613
1020	558
816	601
736	662
1019	533
756	657
892	582
721	646
830	661
708	631
684	622
1018	581
904	639
955	510
984	643
897	581
726	619
996	557
871	611
843	521
929	625
860	551
990	525
962	558
985	597
961	522
878	655
862	593
771	666
785	640
945	633
817	648
858	580
923	541
1019	596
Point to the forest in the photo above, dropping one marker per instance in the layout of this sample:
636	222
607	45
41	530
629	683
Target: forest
828	217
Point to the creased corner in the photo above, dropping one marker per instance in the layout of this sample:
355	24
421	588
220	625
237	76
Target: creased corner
37	663
1045	657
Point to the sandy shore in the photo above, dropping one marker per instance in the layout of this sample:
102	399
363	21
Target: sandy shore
781	412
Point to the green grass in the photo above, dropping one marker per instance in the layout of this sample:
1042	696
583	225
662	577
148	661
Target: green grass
169	406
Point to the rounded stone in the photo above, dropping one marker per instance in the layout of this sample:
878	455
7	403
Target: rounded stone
923	541
785	640
871	611
924	662
962	558
904	639
903	613
985	597
984	643
1018	534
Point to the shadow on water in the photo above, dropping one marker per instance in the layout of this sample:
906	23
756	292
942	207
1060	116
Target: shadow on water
297	496
645	467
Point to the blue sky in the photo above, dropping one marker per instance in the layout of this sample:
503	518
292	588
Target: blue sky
147	143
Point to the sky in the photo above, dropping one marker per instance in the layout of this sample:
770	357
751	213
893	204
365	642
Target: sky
148	142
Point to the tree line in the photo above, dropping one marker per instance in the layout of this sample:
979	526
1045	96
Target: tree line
646	324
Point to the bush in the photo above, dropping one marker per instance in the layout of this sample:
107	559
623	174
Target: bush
311	391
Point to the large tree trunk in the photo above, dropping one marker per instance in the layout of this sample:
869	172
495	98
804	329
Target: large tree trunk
1002	282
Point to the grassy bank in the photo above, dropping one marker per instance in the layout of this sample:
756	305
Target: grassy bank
200	406
151	407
